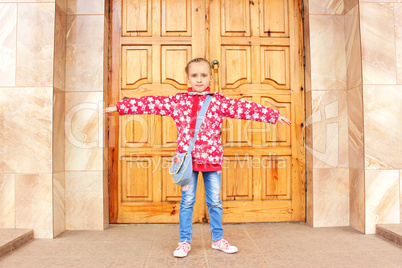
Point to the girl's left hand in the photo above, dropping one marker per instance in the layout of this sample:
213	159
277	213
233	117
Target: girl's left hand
110	109
282	119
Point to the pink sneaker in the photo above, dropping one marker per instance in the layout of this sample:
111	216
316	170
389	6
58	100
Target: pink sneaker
224	246
182	250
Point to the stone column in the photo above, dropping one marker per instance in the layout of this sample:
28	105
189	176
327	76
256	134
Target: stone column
381	40
326	114
86	189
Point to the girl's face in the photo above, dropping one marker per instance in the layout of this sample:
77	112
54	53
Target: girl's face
199	76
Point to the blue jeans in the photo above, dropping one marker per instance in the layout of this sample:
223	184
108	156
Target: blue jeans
212	182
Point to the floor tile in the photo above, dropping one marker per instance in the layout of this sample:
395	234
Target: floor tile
260	245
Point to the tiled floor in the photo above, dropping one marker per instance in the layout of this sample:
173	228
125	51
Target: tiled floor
260	245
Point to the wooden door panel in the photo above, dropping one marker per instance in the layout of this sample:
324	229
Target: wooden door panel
136	18
276	177
235	18
236	64
135	66
136	179
275	66
237	178
274	18
276	135
174	60
176	17
136	131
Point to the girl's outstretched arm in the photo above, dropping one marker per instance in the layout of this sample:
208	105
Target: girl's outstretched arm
159	105
248	110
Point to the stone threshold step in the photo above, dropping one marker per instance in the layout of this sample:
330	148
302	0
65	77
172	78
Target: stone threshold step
391	232
11	239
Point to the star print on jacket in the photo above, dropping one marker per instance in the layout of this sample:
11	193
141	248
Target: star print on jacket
208	146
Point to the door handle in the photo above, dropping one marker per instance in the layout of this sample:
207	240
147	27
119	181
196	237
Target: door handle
215	66
213	63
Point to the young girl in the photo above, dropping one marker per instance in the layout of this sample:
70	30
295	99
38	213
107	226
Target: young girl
207	152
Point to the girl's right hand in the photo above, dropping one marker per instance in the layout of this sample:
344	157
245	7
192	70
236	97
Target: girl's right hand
110	109
282	119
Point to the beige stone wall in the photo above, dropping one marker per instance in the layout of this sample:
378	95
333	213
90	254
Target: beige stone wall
26	115
59	99
326	114
86	81
53	74
355	116
359	181
381	41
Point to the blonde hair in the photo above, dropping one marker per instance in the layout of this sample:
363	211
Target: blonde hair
197	60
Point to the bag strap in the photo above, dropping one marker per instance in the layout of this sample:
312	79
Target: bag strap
200	119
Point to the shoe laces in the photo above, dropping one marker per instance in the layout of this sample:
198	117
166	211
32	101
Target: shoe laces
184	246
223	243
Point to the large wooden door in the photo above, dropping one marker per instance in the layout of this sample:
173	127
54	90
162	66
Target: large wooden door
258	45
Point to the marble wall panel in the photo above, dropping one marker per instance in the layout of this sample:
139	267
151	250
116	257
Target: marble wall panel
309	122
382	198
33	203
331	197
382	126
310	191
349	4
380	1
84	53
357	199
35	44
8	43
398	41
26	130
58	131
89	7
27	1
62	4
328	70
105	197
356	128
353	48
105	52
7	201
31	1
378	43
329	129
59	207
400	194
326	7
84	133
84	201
60	49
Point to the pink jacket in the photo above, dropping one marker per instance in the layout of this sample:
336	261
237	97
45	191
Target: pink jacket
208	146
